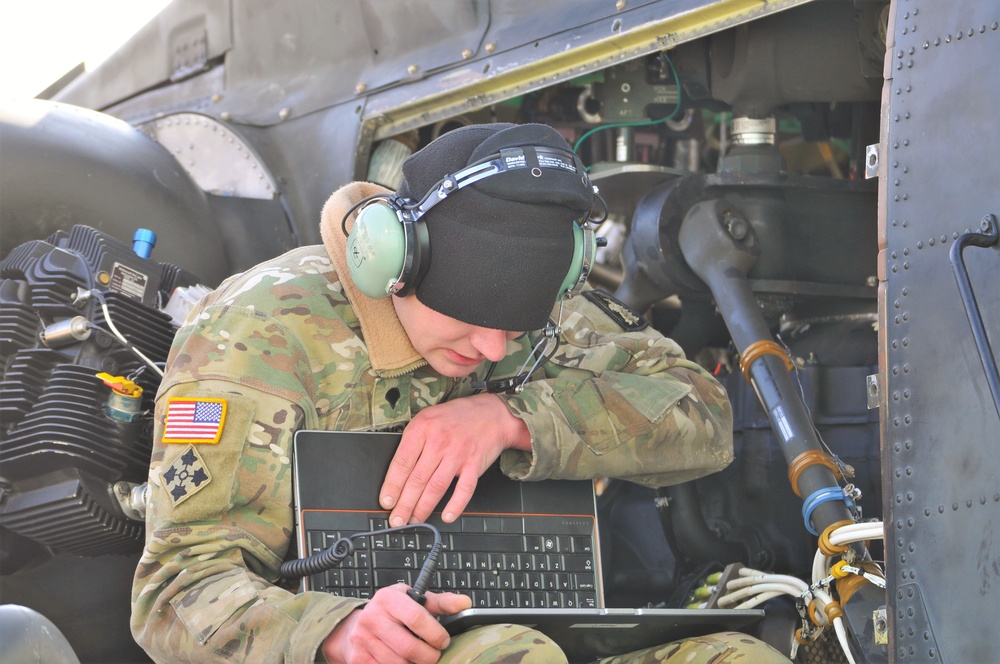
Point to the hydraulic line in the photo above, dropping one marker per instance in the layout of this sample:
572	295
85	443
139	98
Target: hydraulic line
720	245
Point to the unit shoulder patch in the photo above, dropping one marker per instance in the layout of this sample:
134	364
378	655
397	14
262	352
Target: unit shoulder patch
627	319
186	476
194	420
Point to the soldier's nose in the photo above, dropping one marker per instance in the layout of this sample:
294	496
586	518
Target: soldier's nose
491	344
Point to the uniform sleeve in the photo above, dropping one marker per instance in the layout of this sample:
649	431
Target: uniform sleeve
220	516
620	400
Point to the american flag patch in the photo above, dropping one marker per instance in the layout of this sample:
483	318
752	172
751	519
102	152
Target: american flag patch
194	420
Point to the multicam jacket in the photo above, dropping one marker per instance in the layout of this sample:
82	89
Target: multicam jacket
291	344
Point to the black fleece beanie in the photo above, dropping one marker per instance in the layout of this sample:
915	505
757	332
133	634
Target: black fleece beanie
499	248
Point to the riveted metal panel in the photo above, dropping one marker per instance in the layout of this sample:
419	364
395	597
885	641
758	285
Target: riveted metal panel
941	431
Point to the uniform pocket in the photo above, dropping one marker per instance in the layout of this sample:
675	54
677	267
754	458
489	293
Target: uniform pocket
617	407
206	607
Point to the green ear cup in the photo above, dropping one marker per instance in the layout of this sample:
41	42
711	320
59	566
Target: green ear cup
584	250
376	247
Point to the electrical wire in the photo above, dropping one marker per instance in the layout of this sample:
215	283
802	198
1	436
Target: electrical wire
119	336
332	557
856	532
129	347
754	587
514	384
645	123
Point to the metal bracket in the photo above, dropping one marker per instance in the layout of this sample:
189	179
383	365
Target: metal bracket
871	161
132	498
874	391
881	624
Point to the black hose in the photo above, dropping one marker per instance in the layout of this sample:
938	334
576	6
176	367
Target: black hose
689	532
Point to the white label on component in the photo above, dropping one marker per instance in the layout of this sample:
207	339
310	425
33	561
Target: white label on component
778	414
130	283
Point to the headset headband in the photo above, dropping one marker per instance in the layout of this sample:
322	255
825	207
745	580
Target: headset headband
508	159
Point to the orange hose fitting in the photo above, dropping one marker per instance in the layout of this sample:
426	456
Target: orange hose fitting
762	347
825	546
811	610
810	458
833	611
847	586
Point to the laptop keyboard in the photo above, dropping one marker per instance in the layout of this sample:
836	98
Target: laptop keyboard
514	561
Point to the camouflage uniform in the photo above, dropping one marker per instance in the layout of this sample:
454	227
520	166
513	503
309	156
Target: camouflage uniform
289	345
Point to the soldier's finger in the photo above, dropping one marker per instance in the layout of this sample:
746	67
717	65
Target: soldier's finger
422	476
403	462
465	486
409	645
432	493
443	604
379	652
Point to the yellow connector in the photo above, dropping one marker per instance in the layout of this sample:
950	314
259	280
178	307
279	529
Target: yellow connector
838	571
121	385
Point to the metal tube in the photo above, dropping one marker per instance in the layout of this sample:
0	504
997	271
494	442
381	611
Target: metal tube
66	332
986	238
721	247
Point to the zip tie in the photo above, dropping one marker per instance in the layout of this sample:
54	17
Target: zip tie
819	497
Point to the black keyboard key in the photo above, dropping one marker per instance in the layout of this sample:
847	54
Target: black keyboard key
395	559
487	542
473	524
389	577
578	563
512	524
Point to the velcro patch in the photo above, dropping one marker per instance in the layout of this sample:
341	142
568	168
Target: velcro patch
619	312
186	476
194	420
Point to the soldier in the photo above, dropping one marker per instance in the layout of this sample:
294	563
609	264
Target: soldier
354	336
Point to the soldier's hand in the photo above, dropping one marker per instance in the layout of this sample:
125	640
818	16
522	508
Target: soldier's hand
459	438
393	628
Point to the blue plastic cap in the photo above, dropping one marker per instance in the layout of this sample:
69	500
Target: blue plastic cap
143	242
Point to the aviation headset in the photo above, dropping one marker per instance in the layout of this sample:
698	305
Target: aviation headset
388	248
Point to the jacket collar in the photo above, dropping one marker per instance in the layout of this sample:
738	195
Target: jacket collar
389	349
